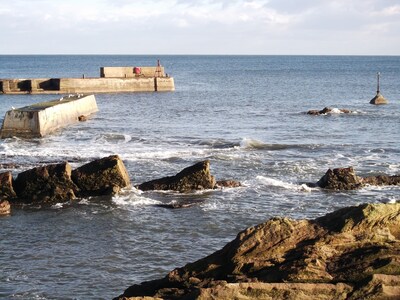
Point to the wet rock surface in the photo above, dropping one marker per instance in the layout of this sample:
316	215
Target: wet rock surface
101	177
48	184
346	179
57	183
196	177
5	207
352	253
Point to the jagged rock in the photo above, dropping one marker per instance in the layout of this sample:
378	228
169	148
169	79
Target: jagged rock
227	184
5	208
48	184
196	177
340	179
101	177
6	186
328	110
382	180
378	99
331	257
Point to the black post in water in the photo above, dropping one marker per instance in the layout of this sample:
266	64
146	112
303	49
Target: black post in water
378	76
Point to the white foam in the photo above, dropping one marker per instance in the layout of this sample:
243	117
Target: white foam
286	185
248	143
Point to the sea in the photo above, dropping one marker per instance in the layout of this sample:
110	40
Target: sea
247	115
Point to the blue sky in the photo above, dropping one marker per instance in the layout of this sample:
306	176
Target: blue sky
314	27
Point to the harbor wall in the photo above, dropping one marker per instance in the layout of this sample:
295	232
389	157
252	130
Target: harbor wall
129	72
86	85
40	119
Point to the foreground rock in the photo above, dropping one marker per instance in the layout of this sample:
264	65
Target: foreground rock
196	177
346	179
353	253
101	177
329	110
49	184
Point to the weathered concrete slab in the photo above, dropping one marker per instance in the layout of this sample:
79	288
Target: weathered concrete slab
40	119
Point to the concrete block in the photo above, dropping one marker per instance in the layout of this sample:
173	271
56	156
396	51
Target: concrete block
40	119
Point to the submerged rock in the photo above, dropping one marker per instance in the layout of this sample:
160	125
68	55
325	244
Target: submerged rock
5	208
101	177
329	110
382	180
49	184
6	186
227	184
352	253
196	177
340	179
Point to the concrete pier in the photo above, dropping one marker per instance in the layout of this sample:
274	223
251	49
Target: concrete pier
111	80
40	119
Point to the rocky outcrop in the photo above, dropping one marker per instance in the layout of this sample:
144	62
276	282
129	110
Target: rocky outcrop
101	177
48	184
196	177
340	179
352	253
58	183
346	179
227	184
329	110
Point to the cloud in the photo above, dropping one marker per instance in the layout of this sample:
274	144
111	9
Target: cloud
200	26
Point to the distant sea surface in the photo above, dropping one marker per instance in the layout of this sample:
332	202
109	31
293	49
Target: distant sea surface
246	114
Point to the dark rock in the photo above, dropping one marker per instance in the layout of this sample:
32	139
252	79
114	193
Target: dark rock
5	208
196	177
47	185
382	180
378	100
104	176
328	110
82	118
6	186
227	184
175	205
351	253
340	179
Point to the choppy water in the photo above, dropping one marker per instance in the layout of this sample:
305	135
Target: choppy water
246	114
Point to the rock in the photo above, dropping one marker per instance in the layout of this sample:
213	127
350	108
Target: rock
331	257
104	176
6	186
378	99
340	179
82	118
47	185
5	208
196	177
328	110
227	184
382	180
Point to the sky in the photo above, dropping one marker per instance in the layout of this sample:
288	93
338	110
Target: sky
245	27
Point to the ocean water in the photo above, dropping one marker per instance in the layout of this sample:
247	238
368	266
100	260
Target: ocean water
246	114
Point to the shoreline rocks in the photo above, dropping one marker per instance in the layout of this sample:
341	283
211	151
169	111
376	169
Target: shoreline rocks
347	254
195	177
57	183
346	179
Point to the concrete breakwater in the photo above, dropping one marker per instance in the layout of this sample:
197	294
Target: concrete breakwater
111	80
40	119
